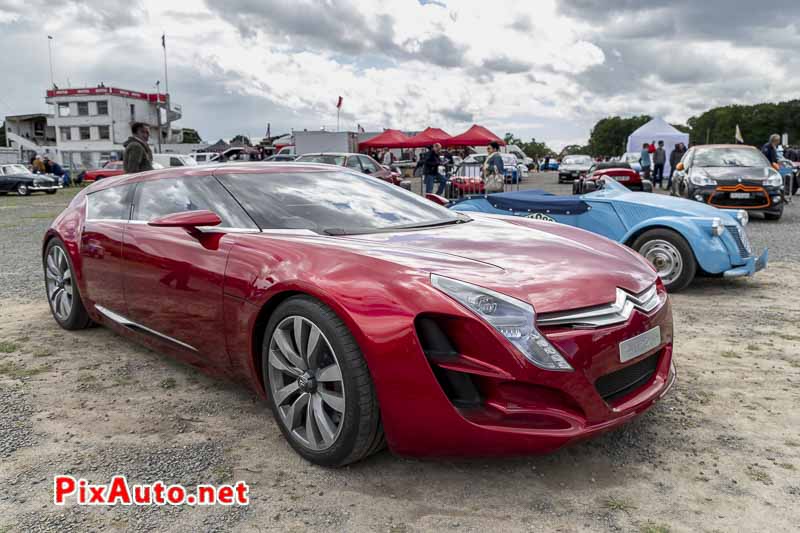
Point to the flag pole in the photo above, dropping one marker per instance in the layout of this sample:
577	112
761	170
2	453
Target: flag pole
50	54
166	90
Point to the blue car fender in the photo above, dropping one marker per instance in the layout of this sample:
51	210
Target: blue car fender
709	251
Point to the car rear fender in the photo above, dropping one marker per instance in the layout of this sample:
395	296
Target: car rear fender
709	251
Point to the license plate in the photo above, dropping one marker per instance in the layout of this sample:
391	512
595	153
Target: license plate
740	195
640	344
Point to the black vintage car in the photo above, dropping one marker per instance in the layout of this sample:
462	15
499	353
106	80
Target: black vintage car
730	177
18	179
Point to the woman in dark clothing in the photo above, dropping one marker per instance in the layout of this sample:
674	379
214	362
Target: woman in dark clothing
675	158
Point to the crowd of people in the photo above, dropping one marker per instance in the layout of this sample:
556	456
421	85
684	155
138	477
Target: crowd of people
45	165
653	160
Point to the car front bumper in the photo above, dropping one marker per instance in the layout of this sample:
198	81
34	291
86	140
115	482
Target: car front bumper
753	265
39	188
523	409
762	199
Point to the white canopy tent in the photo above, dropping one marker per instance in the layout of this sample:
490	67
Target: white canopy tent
657	130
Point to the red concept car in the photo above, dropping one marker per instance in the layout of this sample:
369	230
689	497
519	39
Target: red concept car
367	315
621	172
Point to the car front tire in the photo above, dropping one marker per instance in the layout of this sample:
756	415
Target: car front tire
23	190
319	387
63	294
670	255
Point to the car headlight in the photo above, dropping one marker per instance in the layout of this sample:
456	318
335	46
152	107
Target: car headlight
774	180
701	179
742	217
717	228
512	318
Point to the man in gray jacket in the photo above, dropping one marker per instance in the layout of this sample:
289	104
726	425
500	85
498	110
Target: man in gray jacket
138	156
659	160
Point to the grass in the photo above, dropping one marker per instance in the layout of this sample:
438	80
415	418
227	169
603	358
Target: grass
13	370
8	347
42	352
789	337
793	443
168	383
87	378
730	354
787	466
47	216
652	527
753	347
616	504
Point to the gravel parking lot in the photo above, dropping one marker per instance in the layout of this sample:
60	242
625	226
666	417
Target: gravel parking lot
720	453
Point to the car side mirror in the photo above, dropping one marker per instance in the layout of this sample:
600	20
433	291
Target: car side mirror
589	186
187	220
679	167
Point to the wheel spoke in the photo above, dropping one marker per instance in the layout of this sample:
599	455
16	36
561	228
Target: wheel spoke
68	275
285	344
64	302
326	427
313	347
331	373
295	411
62	260
334	399
282	394
277	361
298	337
311	432
51	264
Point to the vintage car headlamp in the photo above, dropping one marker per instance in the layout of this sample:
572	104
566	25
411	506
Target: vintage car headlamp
512	318
701	179
717	228
742	217
774	179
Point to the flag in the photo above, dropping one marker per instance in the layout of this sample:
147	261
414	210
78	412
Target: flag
164	41
738	135
339	103
268	135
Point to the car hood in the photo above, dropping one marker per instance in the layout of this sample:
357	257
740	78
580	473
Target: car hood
574	167
733	173
553	266
659	204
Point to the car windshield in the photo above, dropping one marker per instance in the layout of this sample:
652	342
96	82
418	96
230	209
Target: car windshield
577	160
337	160
188	161
333	203
15	169
729	157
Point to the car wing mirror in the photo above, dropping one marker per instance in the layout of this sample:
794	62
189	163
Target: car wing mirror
187	220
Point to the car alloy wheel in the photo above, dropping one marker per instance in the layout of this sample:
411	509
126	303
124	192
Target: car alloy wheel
306	384
60	289
23	190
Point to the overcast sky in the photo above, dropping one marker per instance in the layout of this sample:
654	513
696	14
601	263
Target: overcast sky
542	68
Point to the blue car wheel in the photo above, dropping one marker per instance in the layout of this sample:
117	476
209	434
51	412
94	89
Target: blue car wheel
670	255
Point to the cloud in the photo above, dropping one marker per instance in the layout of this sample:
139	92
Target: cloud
507	65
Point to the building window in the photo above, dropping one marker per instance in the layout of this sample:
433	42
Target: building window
103	132
102	107
133	112
66	134
83	108
63	110
85	133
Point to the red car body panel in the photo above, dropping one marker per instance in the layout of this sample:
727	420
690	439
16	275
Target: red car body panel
111	168
626	176
213	291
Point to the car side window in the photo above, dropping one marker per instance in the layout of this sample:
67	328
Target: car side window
162	197
175	162
354	163
368	164
110	204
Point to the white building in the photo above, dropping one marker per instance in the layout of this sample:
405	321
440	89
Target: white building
88	126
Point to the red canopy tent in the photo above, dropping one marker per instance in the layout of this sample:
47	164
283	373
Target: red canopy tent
475	136
387	139
427	138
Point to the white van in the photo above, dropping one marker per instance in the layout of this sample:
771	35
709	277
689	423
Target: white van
174	160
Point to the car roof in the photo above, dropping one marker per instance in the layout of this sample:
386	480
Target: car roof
255	167
331	153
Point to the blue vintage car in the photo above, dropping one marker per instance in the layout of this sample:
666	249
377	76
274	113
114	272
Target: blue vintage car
681	238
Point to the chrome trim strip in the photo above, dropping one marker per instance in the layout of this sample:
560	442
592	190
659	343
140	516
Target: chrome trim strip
130	324
605	315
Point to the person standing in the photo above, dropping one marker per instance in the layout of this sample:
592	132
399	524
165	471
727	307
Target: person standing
494	177
138	157
430	168
546	163
770	149
38	165
644	161
674	158
388	158
659	161
56	170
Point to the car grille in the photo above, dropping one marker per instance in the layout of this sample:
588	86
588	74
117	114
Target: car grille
721	197
740	237
622	382
605	315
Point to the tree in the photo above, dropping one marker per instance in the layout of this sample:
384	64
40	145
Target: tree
757	123
244	139
190	136
533	149
610	135
575	149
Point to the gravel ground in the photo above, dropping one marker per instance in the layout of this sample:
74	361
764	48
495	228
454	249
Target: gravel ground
720	453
